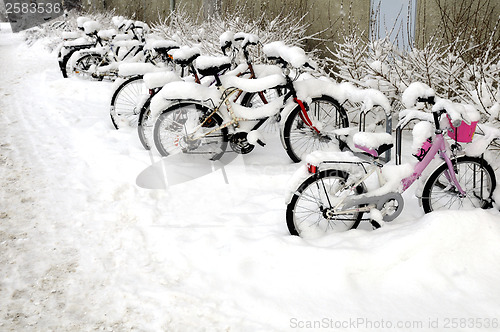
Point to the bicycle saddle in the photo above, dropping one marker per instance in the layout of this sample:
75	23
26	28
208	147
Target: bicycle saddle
161	46
107	34
91	27
246	39
373	144
212	65
185	55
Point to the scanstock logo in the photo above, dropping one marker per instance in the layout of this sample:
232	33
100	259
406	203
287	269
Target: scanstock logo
25	14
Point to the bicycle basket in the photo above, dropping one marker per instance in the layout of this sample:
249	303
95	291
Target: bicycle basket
462	133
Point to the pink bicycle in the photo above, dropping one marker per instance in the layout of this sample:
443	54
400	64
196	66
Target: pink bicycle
332	195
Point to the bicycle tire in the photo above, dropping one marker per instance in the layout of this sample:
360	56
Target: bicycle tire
294	126
145	126
475	197
319	223
63	64
176	142
126	100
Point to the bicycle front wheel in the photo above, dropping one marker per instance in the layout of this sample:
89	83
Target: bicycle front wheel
475	176
64	64
300	139
310	212
145	125
190	128
126	102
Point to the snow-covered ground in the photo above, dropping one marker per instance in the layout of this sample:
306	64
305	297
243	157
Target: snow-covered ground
83	248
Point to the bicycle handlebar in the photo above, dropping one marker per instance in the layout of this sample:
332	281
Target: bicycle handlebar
308	65
441	107
286	55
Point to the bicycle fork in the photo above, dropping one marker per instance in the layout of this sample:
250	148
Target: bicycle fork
451	174
304	116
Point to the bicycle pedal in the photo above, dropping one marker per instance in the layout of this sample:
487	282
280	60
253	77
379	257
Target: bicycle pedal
261	143
254	137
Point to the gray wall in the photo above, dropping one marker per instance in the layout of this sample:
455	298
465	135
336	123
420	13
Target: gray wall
475	18
322	13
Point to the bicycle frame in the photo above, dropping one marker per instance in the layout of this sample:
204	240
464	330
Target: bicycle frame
235	120
439	146
135	50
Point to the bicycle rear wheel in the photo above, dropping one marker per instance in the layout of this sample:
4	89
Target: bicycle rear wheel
300	139
126	102
184	128
309	213
475	176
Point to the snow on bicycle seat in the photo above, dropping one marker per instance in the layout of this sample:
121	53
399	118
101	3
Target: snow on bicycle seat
161	45
117	20
123	36
70	35
159	79
81	20
373	144
107	34
81	42
141	25
246	39
185	55
91	27
212	65
128	43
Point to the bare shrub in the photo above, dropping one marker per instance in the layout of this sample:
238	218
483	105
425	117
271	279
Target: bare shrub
458	69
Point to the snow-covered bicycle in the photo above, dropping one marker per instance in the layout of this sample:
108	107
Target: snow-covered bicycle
330	193
103	61
185	57
194	119
127	98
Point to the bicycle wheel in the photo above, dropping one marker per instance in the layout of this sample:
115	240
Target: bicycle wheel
475	176
182	129
300	139
64	64
126	102
145	126
310	212
86	64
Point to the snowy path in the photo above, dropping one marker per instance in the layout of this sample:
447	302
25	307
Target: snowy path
83	248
